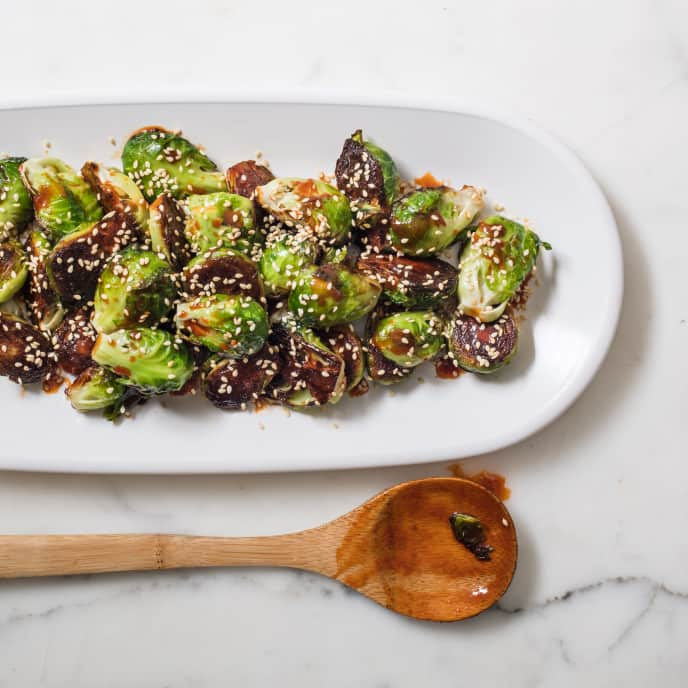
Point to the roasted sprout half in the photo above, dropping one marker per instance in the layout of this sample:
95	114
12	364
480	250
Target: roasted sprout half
380	368
482	347
162	161
95	389
44	302
166	225
235	383
235	326
426	221
245	177
327	295
16	207
73	341
25	353
13	270
493	265
153	361
343	341
136	289
409	338
62	200
283	259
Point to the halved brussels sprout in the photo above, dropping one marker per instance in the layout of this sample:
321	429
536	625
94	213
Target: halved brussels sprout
235	383
327	295
76	261
344	342
45	304
368	176
245	177
13	270
380	368
482	347
62	200
411	282
222	271
95	389
409	338
426	221
221	220
25	353
136	289
154	361
308	204
73	341
16	208
236	326
284	257
117	191
162	161
493	264
166	229
311	374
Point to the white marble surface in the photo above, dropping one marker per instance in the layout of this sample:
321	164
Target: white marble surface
600	497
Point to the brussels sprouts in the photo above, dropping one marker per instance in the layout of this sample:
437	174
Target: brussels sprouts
95	389
136	289
16	208
153	361
411	282
344	342
221	220
234	383
73	341
380	368
166	229
62	200
368	176
76	261
327	295
311	374
116	191
426	221
482	347
162	161
244	177
236	326
493	264
283	259
308	204
13	270
409	338
45	304
223	271
25	355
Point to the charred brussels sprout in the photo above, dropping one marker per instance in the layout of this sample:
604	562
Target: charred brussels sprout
136	289
73	341
283	259
235	326
16	208
311	373
368	176
411	282
426	221
245	177
95	389
76	261
235	383
409	338
161	161
222	271
482	347
62	200
380	368
327	295
13	270
343	341
153	361
25	354
493	264
221	220
166	229
308	204
45	304
117	191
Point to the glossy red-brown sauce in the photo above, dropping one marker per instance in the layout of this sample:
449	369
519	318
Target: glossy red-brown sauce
494	482
53	382
428	180
446	370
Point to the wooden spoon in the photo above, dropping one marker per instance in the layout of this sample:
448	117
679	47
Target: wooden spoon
398	548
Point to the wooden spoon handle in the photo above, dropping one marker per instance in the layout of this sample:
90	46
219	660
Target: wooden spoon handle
61	555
